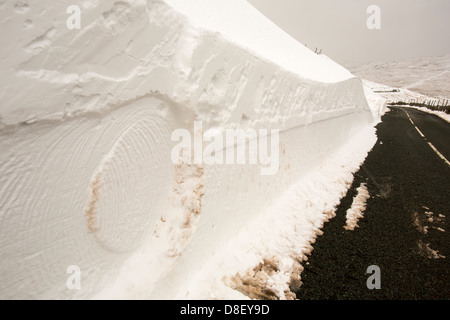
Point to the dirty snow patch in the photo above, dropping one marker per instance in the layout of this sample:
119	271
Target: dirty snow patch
356	212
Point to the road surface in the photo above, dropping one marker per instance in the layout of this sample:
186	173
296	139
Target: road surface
406	224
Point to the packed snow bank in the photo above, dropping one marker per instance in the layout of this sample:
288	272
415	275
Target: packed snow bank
258	34
377	103
86	121
356	212
265	259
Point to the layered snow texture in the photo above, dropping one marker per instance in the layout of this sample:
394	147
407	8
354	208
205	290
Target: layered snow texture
86	177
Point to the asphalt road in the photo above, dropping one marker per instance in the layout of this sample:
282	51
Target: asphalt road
406	225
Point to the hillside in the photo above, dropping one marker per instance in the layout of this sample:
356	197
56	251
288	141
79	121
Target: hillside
429	75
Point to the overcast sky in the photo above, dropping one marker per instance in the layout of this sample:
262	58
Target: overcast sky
409	28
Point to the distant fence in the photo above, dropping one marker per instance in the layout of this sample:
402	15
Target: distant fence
436	105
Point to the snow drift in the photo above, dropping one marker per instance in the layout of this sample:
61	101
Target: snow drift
86	177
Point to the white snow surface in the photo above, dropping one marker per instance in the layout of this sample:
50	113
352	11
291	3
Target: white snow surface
422	79
86	176
428	76
380	95
356	212
261	37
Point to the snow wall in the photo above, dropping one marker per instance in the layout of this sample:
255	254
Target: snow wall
86	118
